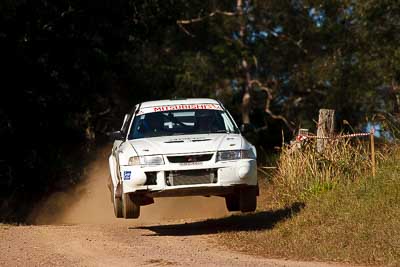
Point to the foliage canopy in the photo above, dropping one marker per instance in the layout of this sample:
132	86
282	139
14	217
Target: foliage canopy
71	67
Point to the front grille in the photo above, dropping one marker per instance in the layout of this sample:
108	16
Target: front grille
189	158
191	177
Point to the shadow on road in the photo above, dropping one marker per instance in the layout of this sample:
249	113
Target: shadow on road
253	221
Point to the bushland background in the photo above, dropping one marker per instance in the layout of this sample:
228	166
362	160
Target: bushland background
71	69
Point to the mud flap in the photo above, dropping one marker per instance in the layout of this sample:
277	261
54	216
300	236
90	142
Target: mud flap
118	191
145	200
109	183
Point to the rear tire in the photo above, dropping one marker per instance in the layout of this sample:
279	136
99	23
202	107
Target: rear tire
130	206
248	199
232	202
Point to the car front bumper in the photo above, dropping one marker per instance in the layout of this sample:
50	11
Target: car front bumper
200	178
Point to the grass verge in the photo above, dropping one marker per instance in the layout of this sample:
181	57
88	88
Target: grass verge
356	221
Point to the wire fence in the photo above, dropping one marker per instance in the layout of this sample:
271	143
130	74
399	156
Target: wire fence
304	135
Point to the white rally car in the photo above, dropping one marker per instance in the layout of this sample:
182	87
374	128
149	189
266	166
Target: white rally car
189	147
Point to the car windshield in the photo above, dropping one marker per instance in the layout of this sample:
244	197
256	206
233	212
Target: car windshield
181	122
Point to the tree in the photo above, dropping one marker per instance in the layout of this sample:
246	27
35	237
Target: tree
72	68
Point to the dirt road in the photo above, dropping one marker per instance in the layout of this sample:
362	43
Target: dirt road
117	245
78	228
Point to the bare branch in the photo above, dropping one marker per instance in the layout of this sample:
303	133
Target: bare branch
212	14
231	14
280	117
190	21
264	88
186	31
105	112
268	102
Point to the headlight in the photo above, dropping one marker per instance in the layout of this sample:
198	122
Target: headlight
146	160
235	154
151	160
134	161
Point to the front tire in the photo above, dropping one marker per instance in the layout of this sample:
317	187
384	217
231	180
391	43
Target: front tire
130	206
248	199
117	203
232	202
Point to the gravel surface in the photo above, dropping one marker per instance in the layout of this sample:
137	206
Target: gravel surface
118	245
78	228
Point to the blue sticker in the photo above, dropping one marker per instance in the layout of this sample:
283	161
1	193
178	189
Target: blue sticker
127	175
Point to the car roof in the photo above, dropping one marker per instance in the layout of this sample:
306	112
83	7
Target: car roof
186	101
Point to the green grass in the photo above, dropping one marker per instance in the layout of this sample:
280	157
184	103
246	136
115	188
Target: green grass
355	221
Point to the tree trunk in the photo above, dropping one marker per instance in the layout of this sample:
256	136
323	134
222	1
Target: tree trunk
247	78
395	95
326	127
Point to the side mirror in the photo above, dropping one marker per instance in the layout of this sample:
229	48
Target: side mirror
117	135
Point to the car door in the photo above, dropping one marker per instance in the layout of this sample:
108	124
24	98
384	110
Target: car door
114	161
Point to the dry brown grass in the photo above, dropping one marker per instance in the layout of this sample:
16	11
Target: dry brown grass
304	172
348	216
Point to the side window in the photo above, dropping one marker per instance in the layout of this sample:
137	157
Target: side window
228	123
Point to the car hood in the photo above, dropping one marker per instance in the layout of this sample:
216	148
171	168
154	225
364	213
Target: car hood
186	144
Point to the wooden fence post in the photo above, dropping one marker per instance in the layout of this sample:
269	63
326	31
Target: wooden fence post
326	127
373	163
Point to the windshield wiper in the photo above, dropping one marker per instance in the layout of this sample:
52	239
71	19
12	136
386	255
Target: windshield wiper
179	133
219	131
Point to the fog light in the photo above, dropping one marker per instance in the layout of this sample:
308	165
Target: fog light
244	171
138	178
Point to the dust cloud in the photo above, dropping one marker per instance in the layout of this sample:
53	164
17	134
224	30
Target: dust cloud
89	203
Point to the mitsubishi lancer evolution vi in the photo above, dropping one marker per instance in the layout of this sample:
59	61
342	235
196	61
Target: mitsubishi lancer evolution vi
189	147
